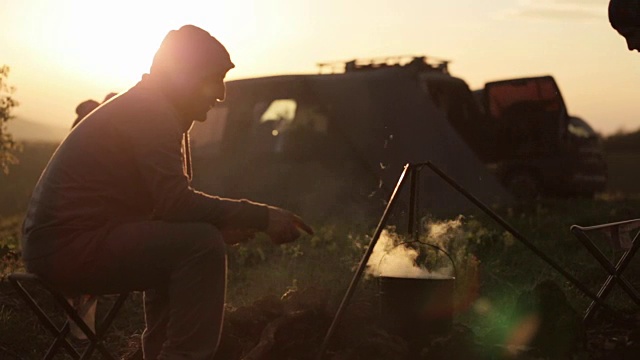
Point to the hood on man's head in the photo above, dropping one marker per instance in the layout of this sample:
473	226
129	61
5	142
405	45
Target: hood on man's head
191	50
624	14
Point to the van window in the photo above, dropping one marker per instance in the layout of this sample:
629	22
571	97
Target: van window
288	126
541	93
580	129
280	111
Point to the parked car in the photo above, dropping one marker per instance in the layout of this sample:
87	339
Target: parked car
335	144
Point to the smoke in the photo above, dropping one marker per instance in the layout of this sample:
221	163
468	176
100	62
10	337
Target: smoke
393	257
387	259
443	233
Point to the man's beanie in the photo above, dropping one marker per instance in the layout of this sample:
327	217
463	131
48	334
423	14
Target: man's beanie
191	50
624	14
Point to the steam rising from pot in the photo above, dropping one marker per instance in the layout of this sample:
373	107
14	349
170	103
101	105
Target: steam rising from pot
393	258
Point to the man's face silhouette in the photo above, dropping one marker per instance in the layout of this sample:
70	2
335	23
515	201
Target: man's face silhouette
202	94
207	92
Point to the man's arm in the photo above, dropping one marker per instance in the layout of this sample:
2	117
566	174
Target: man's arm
156	139
156	142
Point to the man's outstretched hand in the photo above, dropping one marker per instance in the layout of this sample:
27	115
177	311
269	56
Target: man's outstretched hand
285	226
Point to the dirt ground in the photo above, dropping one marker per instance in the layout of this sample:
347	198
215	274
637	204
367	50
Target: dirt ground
294	327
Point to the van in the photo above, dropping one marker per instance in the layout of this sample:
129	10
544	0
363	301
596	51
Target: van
334	144
521	129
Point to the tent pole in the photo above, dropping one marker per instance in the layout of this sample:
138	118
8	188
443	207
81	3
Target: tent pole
363	262
412	202
518	236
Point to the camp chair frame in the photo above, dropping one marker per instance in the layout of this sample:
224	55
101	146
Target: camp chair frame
619	233
96	339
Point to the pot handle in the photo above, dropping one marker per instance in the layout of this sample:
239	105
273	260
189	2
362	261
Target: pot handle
453	263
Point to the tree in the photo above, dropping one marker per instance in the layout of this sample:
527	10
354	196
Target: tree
8	147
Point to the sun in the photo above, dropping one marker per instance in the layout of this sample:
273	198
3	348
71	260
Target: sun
115	42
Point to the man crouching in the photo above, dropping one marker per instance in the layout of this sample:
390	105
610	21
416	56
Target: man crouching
114	210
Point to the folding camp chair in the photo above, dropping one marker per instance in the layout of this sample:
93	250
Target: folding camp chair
95	339
623	237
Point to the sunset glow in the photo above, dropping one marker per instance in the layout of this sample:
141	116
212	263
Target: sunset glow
66	51
113	43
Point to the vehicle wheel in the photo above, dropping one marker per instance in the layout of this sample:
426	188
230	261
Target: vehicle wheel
523	185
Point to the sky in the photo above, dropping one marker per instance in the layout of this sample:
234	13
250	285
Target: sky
62	52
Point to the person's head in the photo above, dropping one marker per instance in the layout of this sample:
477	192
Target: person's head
83	109
192	65
624	16
109	96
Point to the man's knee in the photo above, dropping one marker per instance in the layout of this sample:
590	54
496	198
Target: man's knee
205	238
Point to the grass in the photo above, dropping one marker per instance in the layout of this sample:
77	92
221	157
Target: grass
16	186
494	268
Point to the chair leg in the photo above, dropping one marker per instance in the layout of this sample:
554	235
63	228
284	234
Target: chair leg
96	341
602	294
59	334
103	326
621	266
615	273
60	339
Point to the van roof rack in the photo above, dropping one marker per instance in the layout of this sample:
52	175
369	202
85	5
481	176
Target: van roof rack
422	62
